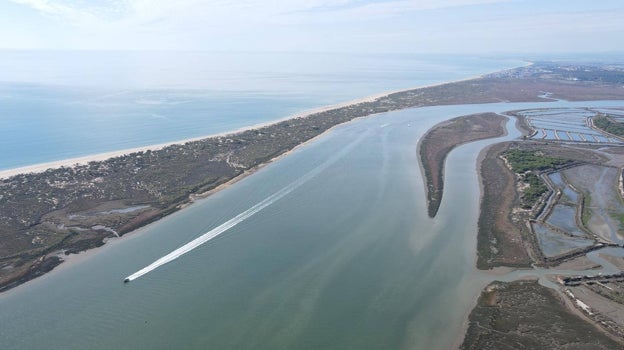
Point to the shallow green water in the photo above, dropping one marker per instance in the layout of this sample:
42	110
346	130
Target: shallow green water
348	260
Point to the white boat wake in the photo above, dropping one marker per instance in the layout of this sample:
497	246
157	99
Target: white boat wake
242	216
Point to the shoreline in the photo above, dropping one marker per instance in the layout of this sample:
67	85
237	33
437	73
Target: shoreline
81	160
69	260
301	117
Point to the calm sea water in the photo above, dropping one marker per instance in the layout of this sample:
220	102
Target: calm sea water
347	260
59	105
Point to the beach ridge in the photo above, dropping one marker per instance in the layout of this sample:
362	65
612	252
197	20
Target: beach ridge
97	157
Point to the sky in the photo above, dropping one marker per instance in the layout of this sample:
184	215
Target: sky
391	26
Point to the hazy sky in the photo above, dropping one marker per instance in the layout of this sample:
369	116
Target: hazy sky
490	26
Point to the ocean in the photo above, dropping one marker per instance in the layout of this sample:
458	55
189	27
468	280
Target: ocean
57	105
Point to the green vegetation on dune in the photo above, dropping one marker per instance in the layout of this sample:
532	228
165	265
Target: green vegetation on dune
537	187
608	125
528	164
522	161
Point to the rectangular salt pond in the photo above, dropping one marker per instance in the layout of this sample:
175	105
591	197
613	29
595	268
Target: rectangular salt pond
563	216
568	120
570	195
555	111
562	135
553	243
550	134
611	111
554	126
566	125
599	138
557	180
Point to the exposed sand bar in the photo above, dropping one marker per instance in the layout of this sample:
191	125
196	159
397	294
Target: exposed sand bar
41	167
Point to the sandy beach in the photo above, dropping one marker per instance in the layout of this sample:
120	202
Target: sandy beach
41	167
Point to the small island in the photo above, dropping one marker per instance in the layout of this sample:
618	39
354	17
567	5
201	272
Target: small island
436	144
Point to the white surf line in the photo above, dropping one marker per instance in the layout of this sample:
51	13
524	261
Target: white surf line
244	215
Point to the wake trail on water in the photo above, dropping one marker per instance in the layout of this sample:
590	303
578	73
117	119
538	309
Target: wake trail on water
244	215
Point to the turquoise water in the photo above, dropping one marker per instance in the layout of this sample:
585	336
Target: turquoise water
59	105
347	260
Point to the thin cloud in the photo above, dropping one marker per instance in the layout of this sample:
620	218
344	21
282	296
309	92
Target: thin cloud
72	12
139	11
317	25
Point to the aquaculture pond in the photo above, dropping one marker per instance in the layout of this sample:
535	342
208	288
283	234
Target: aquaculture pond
565	124
564	217
603	204
555	243
568	195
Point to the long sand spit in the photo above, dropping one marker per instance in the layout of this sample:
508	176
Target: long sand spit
41	167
